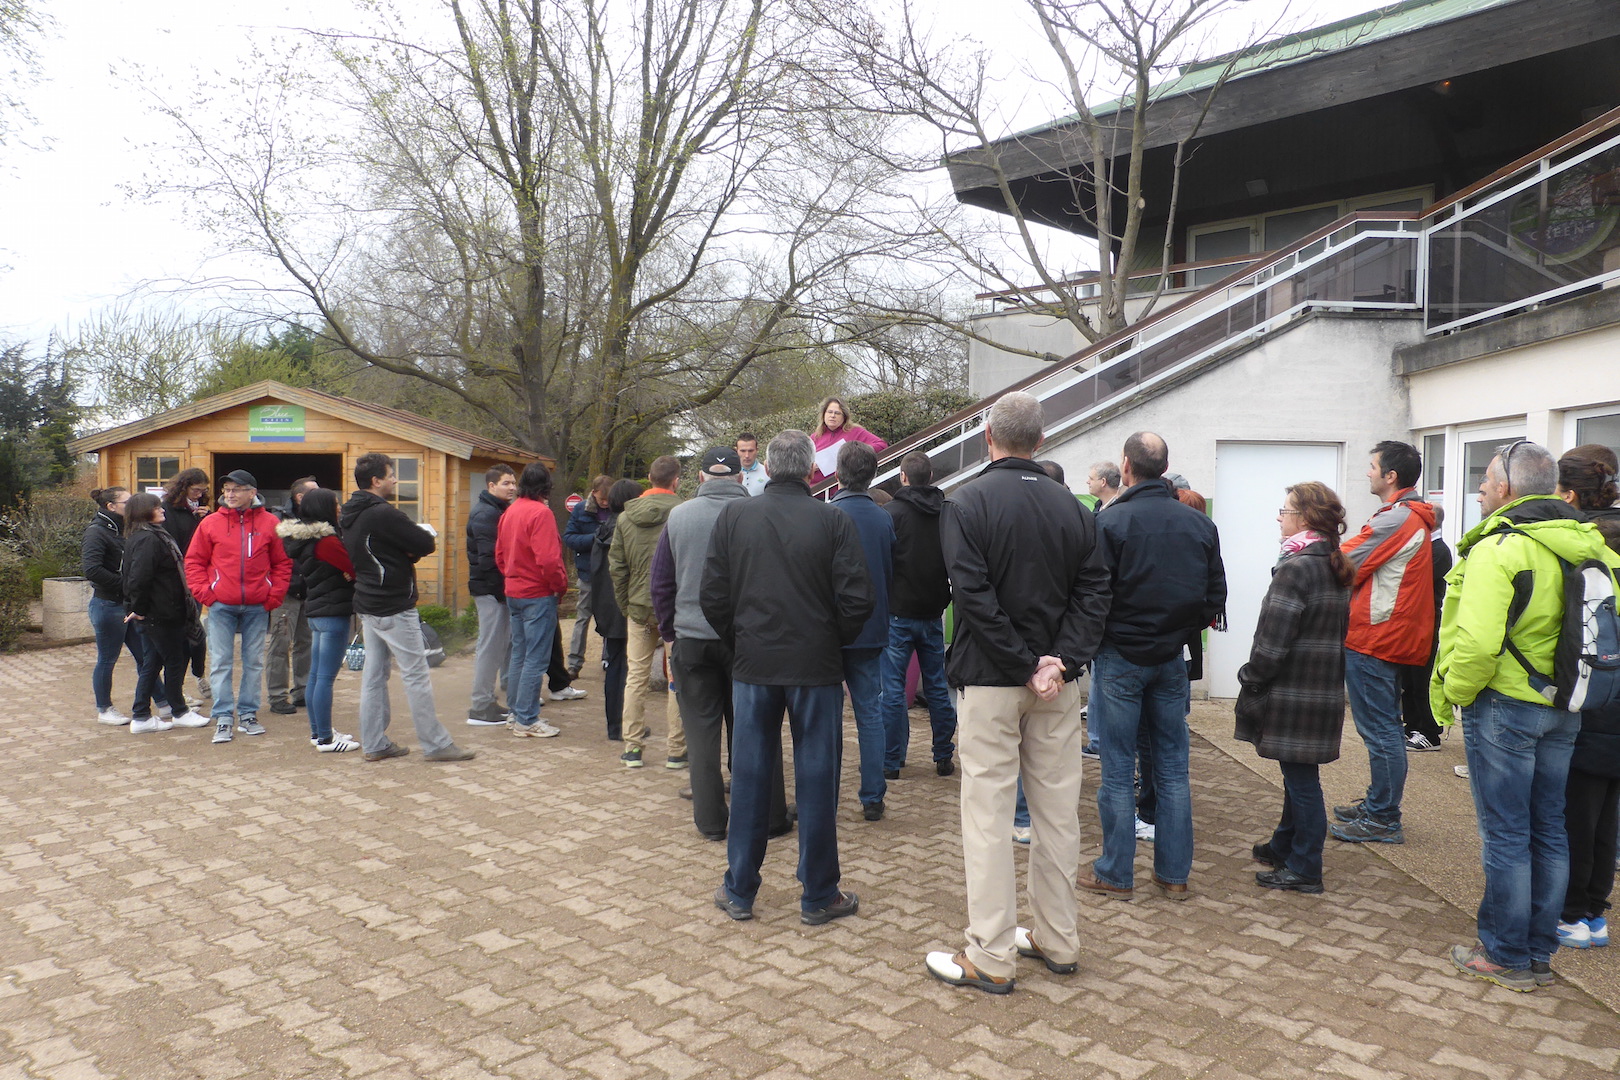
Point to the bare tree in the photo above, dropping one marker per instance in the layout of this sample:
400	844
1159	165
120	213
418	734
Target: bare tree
1126	50
580	217
22	23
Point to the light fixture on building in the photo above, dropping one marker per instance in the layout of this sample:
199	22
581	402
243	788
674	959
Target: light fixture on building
1256	188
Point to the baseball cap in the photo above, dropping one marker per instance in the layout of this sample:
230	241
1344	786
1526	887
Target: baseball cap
242	478
720	461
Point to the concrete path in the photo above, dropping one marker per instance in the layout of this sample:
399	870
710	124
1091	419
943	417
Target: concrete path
174	909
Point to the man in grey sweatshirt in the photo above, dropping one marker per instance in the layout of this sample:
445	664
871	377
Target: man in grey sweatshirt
699	661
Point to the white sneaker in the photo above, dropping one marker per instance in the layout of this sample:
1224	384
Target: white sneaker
192	719
111	717
340	744
567	693
1460	770
1144	831
193	703
154	723
538	730
335	736
1020	834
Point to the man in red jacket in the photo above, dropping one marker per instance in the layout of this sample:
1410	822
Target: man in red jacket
529	554
1391	625
237	569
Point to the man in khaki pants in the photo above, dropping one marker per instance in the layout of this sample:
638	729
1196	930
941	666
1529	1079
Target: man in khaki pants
635	539
1031	593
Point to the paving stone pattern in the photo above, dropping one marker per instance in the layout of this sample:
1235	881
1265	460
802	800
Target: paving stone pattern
173	909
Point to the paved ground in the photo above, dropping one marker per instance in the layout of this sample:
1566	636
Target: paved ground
170	908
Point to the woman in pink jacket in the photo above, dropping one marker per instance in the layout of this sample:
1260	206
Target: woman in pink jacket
833	429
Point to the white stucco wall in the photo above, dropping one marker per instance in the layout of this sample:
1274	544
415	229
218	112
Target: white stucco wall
1538	382
1325	380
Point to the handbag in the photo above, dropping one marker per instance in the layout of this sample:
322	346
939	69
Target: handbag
354	657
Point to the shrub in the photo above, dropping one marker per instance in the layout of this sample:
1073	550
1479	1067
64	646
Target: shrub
48	529
439	617
468	623
14	596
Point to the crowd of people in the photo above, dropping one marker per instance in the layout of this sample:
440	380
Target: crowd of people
769	603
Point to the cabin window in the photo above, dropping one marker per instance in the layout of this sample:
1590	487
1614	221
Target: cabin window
408	492
154	472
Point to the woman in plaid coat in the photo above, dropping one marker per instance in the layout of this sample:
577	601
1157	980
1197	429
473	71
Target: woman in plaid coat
1291	705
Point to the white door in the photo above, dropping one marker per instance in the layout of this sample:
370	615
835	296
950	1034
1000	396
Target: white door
1250	479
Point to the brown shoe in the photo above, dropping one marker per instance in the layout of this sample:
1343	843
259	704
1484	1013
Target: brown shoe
450	753
391	751
1091	884
1173	892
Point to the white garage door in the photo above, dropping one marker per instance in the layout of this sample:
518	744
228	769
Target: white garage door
1250	479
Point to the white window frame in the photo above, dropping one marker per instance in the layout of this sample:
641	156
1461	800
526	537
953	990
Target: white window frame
1572	416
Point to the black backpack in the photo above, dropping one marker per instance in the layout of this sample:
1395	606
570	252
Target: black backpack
1586	661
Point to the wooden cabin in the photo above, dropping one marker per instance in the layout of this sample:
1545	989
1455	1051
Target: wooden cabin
280	433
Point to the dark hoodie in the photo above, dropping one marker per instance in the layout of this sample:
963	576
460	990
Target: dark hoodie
385	545
921	588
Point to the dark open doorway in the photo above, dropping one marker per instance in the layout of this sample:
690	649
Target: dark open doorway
276	472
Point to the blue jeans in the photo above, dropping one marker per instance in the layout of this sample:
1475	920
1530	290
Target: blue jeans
328	638
926	638
534	625
1021	807
863	674
225	622
113	635
815	718
1302	831
1374	687
1518	763
1126	697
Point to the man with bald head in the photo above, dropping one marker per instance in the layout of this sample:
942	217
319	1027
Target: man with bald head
1168	584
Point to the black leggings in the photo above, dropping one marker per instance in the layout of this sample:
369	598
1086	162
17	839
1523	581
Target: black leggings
167	650
1591	814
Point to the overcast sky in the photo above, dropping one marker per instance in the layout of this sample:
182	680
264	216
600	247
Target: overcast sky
71	240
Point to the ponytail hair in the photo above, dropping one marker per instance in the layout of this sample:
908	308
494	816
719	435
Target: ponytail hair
1589	472
105	497
1322	512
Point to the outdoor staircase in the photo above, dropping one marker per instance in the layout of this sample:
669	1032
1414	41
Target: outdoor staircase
1536	231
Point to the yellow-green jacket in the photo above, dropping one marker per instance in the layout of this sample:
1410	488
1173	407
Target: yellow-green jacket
1473	620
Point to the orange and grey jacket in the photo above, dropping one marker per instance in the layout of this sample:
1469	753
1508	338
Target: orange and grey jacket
1392	597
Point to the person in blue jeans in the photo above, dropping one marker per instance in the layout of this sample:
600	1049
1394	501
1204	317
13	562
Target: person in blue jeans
238	570
315	546
785	574
529	558
863	657
918	596
101	559
1168	582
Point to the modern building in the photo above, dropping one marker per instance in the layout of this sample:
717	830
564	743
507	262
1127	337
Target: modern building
1410	217
280	433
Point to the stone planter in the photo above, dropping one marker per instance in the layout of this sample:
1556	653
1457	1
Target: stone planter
67	608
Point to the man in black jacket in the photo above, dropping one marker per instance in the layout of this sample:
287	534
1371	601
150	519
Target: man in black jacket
1168	584
917	600
385	545
488	589
786	578
1031	592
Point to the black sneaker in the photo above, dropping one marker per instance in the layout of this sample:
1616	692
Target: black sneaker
846	904
873	811
891	774
1352	812
731	907
1367	831
284	708
1263	853
944	767
1418	742
1284	878
1542	972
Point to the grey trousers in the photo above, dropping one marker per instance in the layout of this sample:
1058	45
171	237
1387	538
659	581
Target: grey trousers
289	629
582	626
389	637
494	650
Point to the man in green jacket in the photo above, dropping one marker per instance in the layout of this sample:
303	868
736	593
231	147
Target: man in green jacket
1518	745
635	539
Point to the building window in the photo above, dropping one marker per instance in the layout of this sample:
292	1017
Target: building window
1434	468
154	472
408	492
1604	430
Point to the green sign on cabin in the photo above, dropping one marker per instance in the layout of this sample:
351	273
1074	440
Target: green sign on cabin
276	423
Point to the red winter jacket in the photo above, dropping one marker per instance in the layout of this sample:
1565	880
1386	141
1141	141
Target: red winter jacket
1392	597
236	557
528	551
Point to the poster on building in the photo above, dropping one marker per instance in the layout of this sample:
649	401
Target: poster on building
276	423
